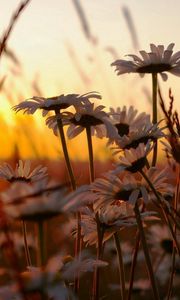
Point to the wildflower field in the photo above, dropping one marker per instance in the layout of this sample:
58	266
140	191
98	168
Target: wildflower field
100	219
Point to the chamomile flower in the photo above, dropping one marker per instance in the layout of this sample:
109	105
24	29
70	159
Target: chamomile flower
112	218
54	103
127	120
146	131
133	160
113	189
23	202
86	116
22	172
160	239
159	60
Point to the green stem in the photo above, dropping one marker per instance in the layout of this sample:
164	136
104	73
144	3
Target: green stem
154	113
146	252
175	229
27	254
90	151
134	260
121	266
166	218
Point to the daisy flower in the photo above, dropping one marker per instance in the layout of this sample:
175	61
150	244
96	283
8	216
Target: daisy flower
58	269
18	241
113	189
133	129
30	106
21	202
133	160
160	239
140	134
112	218
127	120
159	179
22	172
86	116
159	60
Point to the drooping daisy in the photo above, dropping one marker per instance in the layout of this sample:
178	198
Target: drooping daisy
18	241
117	187
143	133
22	172
133	160
127	120
159	238
112	218
86	116
159	60
113	189
160	180
59	268
21	202
54	103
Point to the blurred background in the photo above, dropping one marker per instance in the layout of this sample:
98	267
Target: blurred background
61	47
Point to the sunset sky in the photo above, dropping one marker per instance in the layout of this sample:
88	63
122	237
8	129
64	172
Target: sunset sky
54	52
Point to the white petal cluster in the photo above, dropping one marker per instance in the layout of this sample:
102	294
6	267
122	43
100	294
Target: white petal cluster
159	60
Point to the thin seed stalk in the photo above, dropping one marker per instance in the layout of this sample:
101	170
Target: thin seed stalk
121	265
154	113
170	286
27	254
164	215
146	252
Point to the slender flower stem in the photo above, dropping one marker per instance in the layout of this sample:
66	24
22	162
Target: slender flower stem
121	266
96	278
27	254
73	184
164	215
134	260
90	150
41	258
175	228
65	151
99	230
146	252
154	113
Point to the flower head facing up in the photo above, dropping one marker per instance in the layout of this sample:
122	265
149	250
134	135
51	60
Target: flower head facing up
86	116
22	172
54	103
159	60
